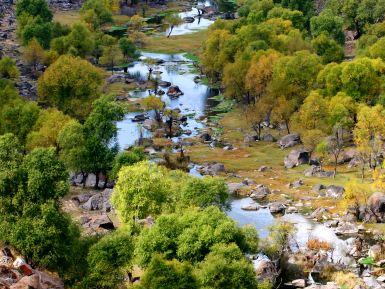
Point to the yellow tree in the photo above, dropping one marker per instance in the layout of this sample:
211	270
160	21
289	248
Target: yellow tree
256	114
368	134
33	54
47	128
260	73
154	103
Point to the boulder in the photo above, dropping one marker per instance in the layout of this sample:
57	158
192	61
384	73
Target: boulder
150	124
318	188
320	214
268	138
250	207
205	137
139	118
213	169
316	171
296	158
100	222
260	192
188	19
296	184
115	78
329	285
39	280
235	188
347	155
164	83
249	139
299	283
248	182
174	91
289	140
376	205
100	201
277	208
333	191
264	169
265	269
346	229
376	251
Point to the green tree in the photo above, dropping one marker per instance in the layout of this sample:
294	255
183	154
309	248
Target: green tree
8	68
142	189
110	260
34	8
111	56
226	267
156	104
189	235
70	84
126	158
33	54
36	28
329	24
128	48
100	133
328	49
96	13
171	21
163	274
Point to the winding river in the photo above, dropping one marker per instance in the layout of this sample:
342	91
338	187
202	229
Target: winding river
176	69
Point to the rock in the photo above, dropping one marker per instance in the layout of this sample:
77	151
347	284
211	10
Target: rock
299	283
81	198
376	205
316	171
197	78
164	83
264	169
296	184
268	138
115	78
260	192
320	214
381	278
291	210
318	188
228	148
139	118
347	155
150	124
40	280
333	191
213	169
248	182
289	140
235	188
346	228
188	19
265	269
100	201
250	207
174	91
205	137
329	285
100	222
249	139
375	251
296	158
277	208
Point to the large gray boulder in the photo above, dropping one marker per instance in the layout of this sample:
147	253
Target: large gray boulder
333	191
289	140
277	208
265	269
99	201
295	158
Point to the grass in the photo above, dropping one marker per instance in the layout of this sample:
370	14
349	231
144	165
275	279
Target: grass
188	43
67	17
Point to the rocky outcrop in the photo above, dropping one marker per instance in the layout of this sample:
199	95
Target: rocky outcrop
317	171
277	208
289	140
265	269
98	202
174	91
296	158
333	191
213	169
375	209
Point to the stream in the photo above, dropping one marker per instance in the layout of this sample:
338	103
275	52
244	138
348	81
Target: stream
177	70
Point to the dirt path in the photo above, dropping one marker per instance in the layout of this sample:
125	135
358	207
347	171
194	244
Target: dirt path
9	46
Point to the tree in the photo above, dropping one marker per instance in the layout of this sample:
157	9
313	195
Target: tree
79	42
96	13
100	133
295	16
205	192
46	129
156	104
226	267
126	158
72	150
33	54
136	22
141	190
70	84
163	274
8	68
260	73
376	51
328	49
311	138
283	110
368	134
329	24
36	28
110	260
128	48
34	8
256	114
171	21
111	56
18	117
190	234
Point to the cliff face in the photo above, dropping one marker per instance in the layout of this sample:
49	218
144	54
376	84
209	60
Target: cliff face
65	4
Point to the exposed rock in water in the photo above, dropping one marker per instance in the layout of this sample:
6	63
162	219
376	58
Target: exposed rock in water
289	140
235	188
260	192
164	83
174	91
296	158
189	19
250	207
265	269
277	208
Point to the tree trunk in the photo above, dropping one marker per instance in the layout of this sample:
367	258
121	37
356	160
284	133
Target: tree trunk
363	172
96	181
84	179
335	166
287	126
171	28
